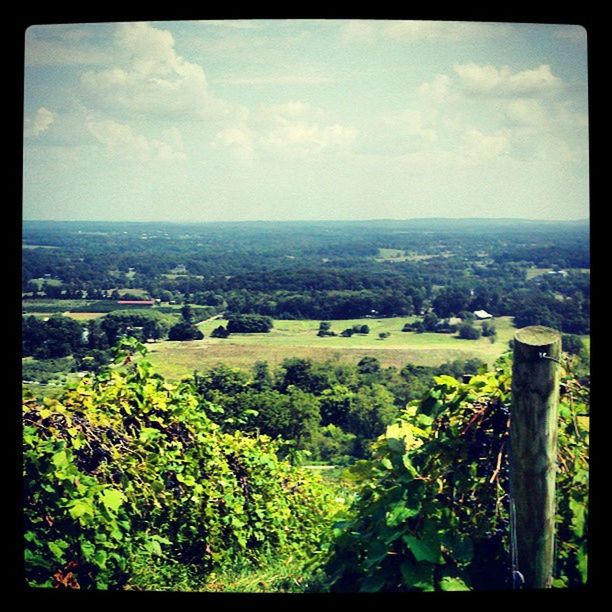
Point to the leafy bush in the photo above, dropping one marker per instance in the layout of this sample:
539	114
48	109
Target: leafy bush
125	467
431	512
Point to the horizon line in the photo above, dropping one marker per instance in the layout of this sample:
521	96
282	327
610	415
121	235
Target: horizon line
377	219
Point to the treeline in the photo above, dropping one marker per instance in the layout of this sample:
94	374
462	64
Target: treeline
321	271
60	336
332	411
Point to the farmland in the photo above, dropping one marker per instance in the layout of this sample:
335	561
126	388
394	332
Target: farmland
299	339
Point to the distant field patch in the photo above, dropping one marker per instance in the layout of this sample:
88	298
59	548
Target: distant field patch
52	282
397	255
84	316
38	246
139	292
391	255
533	272
299	339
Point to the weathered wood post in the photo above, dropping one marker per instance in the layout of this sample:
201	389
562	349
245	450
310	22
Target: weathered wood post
533	457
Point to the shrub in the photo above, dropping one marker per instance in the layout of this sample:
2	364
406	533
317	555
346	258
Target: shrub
126	467
431	510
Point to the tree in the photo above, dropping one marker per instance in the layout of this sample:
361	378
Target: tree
185	331
451	301
300	373
58	336
219	332
369	413
430	321
221	379
488	328
335	404
467	331
572	344
383	335
33	335
262	378
187	313
368	365
325	329
249	324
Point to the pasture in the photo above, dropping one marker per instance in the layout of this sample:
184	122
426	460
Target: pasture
299	338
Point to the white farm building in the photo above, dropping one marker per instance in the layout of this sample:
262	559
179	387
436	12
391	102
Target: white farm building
482	314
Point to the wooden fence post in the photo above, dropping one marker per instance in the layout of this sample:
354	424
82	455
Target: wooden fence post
533	457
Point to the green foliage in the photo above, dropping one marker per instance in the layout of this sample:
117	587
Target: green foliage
467	331
488	328
46	370
184	330
431	511
125	469
249	324
57	336
219	332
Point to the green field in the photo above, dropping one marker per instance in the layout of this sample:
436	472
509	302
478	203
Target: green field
397	255
299	339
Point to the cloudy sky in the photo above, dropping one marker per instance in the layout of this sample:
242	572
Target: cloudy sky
305	119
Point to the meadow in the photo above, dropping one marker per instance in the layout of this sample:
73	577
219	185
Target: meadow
298	338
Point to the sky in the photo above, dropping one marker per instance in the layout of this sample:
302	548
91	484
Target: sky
237	120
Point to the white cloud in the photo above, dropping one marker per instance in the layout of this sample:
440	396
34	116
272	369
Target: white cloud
293	128
478	147
151	78
120	139
304	138
527	112
489	81
238	139
437	91
40	123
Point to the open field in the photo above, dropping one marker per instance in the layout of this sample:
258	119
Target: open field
533	272
78	316
397	255
299	339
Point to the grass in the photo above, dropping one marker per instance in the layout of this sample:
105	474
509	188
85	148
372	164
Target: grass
299	339
533	272
78	316
85	316
398	255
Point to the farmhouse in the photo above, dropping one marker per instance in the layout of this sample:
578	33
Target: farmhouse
482	314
